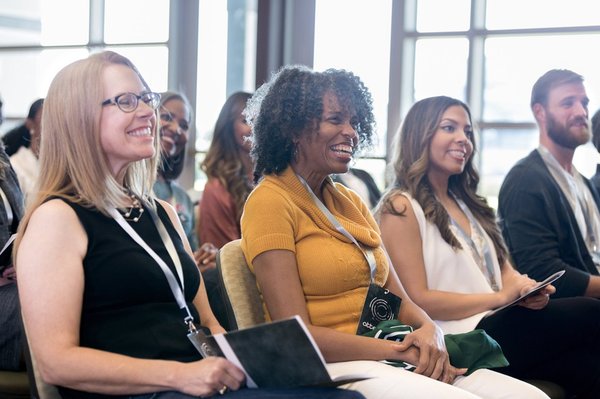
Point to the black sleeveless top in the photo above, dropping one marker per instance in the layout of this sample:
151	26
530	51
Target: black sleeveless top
128	307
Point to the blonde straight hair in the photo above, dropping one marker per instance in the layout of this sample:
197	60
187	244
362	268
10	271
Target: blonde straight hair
72	163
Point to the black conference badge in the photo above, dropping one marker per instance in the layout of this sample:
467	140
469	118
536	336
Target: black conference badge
380	305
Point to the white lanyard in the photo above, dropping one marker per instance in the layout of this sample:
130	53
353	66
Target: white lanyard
164	235
368	253
485	262
576	191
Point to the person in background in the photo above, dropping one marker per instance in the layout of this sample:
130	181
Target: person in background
315	248
175	115
26	160
20	136
11	212
363	183
96	252
449	254
548	211
595	180
228	167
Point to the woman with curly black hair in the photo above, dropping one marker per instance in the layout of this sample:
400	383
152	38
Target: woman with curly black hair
229	170
316	250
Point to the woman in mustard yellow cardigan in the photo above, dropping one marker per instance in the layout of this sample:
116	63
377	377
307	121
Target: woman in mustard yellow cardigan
316	250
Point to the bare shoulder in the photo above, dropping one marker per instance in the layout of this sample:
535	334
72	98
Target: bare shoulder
54	215
54	224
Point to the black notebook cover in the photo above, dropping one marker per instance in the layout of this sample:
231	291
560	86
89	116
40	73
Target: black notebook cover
281	354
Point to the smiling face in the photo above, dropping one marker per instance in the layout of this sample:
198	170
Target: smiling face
566	115
242	130
174	126
125	137
451	145
330	148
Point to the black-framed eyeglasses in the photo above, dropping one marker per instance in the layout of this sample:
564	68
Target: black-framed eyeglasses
128	102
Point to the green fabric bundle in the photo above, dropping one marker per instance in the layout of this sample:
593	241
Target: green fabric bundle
473	350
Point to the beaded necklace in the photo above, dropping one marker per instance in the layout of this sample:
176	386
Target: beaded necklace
135	211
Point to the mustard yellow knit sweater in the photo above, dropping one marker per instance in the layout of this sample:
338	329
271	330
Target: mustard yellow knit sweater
280	214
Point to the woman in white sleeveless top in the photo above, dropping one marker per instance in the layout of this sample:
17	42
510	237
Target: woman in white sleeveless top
449	254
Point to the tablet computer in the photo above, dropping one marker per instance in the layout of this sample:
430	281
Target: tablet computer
539	286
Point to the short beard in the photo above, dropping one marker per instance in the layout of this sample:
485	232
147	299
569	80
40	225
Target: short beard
561	135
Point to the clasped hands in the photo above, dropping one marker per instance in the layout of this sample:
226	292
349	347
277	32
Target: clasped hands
425	348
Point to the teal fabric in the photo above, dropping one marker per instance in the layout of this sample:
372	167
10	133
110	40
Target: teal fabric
473	350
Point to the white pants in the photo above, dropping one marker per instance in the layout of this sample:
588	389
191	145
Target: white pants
390	382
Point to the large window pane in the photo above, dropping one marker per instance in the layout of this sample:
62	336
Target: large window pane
226	63
513	64
35	22
500	149
363	48
212	68
441	67
136	21
25	76
54	28
443	15
20	22
151	61
513	14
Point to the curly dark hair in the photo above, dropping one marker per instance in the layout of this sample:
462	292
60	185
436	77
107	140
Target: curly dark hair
291	104
411	163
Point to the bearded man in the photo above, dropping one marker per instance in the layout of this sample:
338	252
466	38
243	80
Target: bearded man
548	211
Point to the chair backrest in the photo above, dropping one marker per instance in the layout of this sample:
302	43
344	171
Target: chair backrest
14	385
243	303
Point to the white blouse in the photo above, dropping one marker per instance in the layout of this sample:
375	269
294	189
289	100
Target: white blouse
453	270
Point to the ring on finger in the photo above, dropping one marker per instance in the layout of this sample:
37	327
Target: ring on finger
223	390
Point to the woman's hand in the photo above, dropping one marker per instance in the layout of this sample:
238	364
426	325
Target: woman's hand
539	300
206	256
209	377
514	284
433	359
9	276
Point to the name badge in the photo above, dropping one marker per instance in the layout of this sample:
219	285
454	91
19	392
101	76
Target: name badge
205	344
380	305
